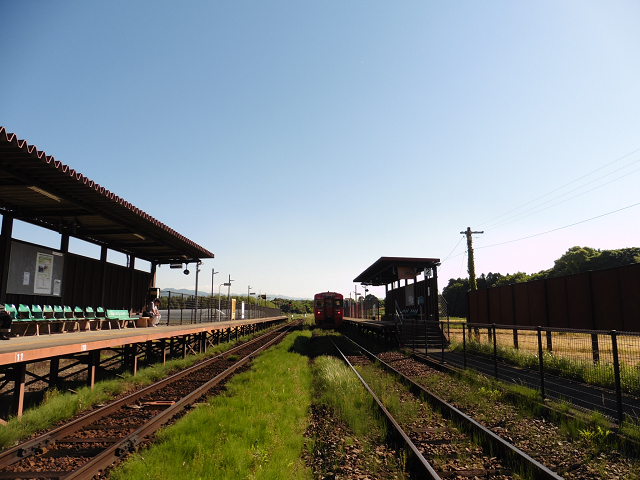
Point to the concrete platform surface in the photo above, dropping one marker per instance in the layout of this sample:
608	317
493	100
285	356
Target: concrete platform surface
34	348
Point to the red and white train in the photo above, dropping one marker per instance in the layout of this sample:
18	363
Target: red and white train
328	309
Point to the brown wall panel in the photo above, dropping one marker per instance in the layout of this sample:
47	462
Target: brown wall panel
630	297
606	299
579	301
557	302
537	303
493	296
602	300
483	306
506	306
472	313
521	300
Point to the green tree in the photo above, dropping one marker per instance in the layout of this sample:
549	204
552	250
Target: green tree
575	260
455	293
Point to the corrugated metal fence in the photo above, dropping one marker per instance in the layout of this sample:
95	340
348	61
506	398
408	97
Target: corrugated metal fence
598	300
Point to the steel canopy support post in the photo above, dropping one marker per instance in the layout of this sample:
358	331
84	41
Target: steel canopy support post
103	283
132	273
5	254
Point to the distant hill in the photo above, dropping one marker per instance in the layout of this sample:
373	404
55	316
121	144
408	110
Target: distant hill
205	293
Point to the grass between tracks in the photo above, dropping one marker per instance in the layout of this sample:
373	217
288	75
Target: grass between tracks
256	429
347	402
253	430
59	406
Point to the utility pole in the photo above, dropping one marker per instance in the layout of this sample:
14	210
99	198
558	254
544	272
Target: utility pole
229	289
472	267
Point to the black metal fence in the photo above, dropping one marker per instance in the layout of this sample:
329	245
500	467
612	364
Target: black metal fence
606	361
180	309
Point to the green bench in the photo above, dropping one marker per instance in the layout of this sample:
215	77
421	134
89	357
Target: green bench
68	319
64	318
122	318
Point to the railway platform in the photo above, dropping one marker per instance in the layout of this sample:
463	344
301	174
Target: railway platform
384	330
25	361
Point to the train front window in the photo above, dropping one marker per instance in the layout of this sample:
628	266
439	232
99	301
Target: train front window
318	303
338	302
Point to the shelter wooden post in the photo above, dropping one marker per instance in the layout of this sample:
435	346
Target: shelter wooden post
163	346
149	350
5	254
92	364
19	372
131	358
54	369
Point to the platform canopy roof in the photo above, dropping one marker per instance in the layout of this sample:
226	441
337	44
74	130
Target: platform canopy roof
40	190
387	270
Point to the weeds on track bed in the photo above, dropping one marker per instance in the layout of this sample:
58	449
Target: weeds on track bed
254	430
358	447
60	406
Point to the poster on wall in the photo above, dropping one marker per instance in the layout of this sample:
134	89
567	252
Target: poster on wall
35	270
409	295
44	274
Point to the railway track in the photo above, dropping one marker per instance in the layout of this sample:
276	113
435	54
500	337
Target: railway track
450	444
87	446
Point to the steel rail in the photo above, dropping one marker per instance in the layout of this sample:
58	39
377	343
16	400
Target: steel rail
420	462
508	451
37	445
127	444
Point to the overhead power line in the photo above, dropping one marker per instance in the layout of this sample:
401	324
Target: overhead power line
560	228
454	249
563	186
521	215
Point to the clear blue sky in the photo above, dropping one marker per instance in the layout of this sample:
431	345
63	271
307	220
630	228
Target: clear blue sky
301	141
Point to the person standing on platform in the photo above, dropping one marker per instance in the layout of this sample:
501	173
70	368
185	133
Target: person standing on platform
5	323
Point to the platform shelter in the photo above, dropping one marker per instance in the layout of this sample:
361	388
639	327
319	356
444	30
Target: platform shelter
411	285
411	300
37	189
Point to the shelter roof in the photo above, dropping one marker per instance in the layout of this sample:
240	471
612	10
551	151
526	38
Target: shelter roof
387	270
38	189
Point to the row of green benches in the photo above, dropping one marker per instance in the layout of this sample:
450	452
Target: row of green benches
65	316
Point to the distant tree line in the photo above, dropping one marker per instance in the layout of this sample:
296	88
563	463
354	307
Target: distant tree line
179	301
297	307
575	260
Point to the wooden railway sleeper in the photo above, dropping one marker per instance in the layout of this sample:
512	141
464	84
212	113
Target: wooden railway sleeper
506	449
420	465
30	447
108	456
